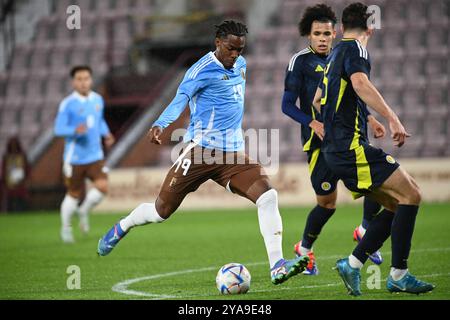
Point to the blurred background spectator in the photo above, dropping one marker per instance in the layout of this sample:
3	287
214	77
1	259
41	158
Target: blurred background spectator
14	177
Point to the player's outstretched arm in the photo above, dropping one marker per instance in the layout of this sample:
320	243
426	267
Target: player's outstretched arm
170	114
173	111
370	95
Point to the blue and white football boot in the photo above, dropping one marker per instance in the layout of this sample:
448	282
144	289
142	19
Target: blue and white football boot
110	240
408	284
350	276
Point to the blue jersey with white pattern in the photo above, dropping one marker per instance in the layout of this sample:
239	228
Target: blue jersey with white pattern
216	101
81	149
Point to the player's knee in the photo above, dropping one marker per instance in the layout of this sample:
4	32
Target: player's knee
415	196
390	205
102	186
328	205
412	196
165	209
259	189
327	202
75	194
270	196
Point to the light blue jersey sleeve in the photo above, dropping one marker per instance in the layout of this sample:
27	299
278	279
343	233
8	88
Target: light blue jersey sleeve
62	127
188	88
104	129
173	111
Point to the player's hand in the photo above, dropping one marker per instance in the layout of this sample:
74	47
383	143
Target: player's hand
81	129
318	128
379	131
155	135
398	132
109	141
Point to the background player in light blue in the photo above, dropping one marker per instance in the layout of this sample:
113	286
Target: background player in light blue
214	88
81	123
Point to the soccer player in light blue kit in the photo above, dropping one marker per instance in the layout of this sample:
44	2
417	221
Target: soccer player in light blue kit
81	123
214	87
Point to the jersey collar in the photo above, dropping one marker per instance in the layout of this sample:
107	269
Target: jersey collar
83	98
320	55
220	63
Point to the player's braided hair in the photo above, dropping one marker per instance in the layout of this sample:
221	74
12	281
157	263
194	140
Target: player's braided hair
232	27
355	16
321	13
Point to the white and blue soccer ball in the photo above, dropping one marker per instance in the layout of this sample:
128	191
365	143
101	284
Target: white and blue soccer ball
233	278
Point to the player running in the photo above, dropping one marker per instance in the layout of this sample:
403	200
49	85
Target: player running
214	87
366	170
303	75
81	122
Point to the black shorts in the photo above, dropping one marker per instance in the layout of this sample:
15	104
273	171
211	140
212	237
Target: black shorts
362	169
323	180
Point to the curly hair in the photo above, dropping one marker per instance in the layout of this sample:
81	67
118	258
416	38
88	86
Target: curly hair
355	16
320	13
232	27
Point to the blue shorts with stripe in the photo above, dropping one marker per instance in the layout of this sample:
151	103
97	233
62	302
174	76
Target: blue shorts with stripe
323	180
362	169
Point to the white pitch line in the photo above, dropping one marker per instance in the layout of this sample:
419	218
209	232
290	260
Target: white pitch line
122	287
435	275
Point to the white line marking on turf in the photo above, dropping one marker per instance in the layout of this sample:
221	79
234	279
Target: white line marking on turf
122	287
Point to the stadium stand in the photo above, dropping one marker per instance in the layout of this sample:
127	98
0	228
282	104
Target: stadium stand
409	58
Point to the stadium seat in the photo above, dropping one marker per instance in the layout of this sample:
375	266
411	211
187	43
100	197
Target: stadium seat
414	13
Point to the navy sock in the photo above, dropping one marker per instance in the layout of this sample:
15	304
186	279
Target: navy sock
371	209
377	233
402	232
317	218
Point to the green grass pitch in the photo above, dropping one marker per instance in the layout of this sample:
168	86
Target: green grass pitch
180	258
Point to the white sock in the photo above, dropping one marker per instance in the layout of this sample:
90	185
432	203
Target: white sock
68	208
144	214
304	251
93	198
270	225
354	262
362	231
397	274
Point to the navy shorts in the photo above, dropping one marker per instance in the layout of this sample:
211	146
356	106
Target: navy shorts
323	180
362	169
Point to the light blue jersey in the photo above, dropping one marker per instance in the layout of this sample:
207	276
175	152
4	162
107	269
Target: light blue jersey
74	111
216	101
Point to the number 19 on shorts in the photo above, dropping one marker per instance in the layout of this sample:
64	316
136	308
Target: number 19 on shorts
184	164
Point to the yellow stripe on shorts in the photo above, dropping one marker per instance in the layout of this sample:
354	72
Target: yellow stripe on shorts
314	158
363	169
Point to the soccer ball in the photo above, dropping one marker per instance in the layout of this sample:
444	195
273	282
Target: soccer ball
233	278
